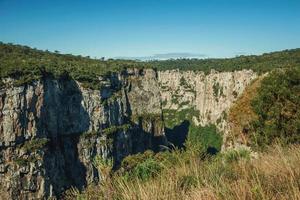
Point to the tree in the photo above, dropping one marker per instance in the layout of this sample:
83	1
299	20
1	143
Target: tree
278	108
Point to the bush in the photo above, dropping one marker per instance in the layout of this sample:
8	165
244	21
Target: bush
234	155
147	169
26	64
277	106
204	138
132	161
35	144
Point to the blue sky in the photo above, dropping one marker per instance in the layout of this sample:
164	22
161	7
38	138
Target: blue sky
152	28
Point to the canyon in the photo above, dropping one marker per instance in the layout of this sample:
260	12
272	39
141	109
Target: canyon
52	129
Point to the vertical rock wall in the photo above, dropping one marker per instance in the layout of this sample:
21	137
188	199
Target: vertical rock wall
209	95
52	129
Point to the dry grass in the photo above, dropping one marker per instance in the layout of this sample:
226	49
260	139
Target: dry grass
275	174
241	114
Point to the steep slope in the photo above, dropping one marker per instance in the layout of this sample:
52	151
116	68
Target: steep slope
58	113
52	129
201	99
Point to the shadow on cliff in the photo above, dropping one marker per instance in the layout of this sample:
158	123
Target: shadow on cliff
138	139
63	118
146	134
178	135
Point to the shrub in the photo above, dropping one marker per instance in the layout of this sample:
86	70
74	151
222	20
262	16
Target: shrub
147	169
236	154
88	134
241	114
204	138
21	162
277	106
104	166
35	144
130	162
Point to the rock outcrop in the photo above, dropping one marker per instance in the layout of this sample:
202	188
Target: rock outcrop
209	96
52	129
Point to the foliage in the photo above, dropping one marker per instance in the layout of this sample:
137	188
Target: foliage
104	166
140	166
236	154
277	107
35	144
113	129
88	134
175	117
218	90
262	63
144	166
26	64
146	117
147	169
204	138
241	114
274	174
21	161
130	162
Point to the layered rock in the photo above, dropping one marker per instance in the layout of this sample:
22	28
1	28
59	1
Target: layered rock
52	129
209	95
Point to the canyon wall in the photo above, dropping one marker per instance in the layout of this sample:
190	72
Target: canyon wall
51	130
207	98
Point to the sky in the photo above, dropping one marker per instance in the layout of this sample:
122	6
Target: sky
152	29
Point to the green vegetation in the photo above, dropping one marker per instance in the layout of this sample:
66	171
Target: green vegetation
234	155
108	131
261	63
88	134
146	117
145	170
26	64
25	161
113	129
21	162
198	136
277	106
270	113
116	95
204	137
35	144
175	117
218	90
103	165
241	114
274	174
267	112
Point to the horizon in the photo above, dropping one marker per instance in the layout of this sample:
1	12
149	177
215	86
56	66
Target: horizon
152	30
145	59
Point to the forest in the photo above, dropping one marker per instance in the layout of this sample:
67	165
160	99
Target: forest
26	64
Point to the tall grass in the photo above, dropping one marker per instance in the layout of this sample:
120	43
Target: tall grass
274	174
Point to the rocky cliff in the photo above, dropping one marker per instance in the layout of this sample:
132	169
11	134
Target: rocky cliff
203	98
52	129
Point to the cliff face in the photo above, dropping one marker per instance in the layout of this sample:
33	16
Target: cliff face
51	130
209	96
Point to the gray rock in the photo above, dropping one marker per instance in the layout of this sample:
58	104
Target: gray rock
73	120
